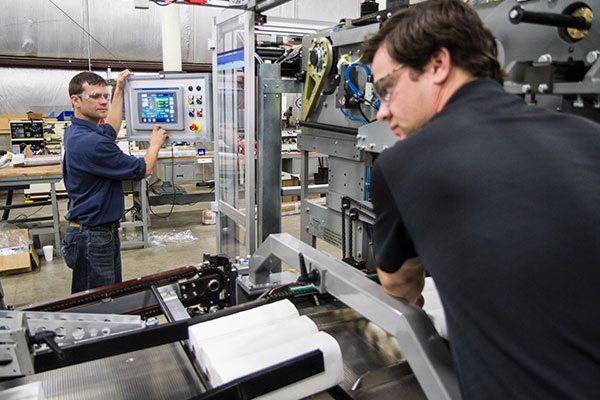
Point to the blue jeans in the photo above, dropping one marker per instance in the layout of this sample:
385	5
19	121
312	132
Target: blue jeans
94	256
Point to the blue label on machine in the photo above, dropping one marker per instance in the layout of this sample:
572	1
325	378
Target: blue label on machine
231	59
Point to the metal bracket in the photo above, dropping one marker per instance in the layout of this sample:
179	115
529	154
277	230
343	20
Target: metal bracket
424	349
319	66
71	328
15	356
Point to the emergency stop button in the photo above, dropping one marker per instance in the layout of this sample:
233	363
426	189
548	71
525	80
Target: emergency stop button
195	127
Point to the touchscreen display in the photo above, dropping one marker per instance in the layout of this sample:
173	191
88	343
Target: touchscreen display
157	107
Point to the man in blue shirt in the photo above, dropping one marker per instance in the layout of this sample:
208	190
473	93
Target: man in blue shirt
93	169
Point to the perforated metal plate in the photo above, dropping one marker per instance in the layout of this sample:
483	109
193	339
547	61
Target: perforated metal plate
162	372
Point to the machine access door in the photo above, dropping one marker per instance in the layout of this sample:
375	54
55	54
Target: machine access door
234	95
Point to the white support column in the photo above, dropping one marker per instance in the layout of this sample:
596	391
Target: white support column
171	38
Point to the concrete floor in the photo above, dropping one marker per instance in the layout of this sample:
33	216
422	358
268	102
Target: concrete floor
53	279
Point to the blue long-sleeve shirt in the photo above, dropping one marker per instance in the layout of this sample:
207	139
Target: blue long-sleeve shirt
93	168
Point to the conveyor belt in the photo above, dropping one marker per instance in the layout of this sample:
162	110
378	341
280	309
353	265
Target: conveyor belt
165	372
115	290
162	373
370	353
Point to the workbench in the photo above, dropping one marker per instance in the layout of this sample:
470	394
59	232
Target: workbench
17	177
182	169
21	177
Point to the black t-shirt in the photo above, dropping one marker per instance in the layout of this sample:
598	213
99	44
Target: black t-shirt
501	201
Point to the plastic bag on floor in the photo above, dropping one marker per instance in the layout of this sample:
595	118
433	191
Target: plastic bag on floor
13	240
161	239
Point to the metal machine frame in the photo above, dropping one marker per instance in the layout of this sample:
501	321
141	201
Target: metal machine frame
261	175
137	131
270	89
427	354
244	220
351	150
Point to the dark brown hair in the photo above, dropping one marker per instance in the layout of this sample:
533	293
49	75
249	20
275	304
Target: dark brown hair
415	34
76	84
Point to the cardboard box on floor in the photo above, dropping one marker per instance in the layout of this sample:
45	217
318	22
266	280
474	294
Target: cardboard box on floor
18	260
288	179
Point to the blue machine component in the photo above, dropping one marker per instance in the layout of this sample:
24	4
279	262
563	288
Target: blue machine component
355	91
367	183
353	88
354	117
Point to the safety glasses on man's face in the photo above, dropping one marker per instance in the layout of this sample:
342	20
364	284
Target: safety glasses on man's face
384	86
94	96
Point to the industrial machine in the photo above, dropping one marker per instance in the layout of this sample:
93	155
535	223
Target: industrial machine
111	321
556	66
337	120
390	348
178	102
338	108
136	338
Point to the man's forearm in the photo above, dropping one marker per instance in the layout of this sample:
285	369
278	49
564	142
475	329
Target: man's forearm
115	113
150	158
407	282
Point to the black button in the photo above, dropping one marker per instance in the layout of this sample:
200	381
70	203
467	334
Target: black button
190	88
198	88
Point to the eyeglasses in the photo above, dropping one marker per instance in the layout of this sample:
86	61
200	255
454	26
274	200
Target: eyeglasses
383	86
94	96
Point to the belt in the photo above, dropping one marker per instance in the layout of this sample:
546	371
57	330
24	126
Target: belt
103	227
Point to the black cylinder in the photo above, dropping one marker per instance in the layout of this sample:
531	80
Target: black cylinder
328	127
368	7
518	15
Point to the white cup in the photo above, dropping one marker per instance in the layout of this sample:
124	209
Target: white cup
48	252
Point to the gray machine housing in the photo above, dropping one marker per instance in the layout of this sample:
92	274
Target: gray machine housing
543	65
535	71
192	95
351	156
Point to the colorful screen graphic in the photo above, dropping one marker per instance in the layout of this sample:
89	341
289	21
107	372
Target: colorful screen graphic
157	107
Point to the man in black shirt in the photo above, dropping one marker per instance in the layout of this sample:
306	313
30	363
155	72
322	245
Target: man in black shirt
498	200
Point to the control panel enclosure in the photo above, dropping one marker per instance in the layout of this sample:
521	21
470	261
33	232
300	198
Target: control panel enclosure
178	102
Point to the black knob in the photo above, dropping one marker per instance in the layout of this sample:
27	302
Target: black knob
190	88
518	15
213	285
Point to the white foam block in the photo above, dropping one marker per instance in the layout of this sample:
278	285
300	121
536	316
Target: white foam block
29	391
439	321
434	308
238	344
429	285
259	316
432	301
229	370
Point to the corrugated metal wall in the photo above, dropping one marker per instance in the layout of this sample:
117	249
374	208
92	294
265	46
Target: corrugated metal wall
37	28
40	90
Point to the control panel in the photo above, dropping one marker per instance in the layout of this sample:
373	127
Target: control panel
178	102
